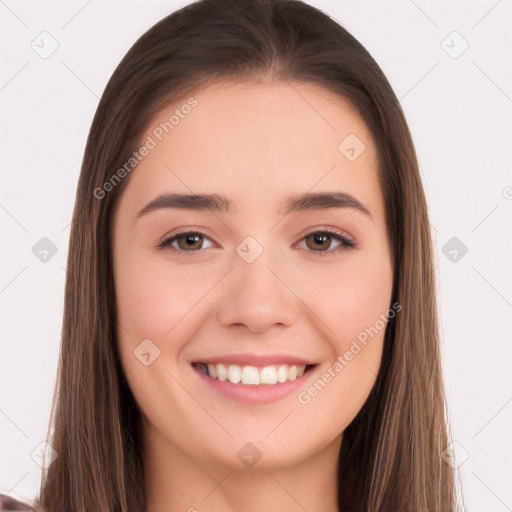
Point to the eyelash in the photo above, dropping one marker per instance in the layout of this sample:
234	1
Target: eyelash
346	243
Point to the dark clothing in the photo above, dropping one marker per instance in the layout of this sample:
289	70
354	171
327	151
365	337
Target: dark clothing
9	504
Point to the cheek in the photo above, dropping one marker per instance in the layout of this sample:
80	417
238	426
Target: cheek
355	307
354	295
365	295
152	296
159	302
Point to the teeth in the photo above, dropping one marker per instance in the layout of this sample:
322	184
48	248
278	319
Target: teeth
222	372
212	371
268	375
234	373
282	374
252	375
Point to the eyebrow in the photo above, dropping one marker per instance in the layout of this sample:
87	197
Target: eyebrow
220	203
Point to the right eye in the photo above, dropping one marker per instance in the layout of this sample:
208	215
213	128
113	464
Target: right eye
187	241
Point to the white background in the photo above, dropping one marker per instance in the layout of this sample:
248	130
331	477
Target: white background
459	111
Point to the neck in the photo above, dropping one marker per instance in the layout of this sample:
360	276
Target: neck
176	482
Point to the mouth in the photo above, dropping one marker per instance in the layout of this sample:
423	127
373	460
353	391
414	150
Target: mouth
250	375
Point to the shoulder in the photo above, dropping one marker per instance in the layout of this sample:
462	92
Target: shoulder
9	504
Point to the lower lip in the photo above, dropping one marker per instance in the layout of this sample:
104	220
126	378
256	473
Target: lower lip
260	394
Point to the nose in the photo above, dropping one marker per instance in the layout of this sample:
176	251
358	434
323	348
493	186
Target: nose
257	297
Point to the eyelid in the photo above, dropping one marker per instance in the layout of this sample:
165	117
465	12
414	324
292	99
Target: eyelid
330	230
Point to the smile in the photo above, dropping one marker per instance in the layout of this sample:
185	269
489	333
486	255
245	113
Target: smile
253	375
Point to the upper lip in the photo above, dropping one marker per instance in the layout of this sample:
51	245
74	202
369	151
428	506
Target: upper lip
253	359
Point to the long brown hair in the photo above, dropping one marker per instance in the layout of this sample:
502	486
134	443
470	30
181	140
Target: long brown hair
390	457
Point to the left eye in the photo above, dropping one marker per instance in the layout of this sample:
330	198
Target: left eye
322	242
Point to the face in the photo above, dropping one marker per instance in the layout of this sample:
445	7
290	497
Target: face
254	314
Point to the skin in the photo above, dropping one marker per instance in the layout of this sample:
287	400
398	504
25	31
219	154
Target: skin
256	144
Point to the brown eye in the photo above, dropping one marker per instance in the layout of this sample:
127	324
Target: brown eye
325	242
190	241
318	241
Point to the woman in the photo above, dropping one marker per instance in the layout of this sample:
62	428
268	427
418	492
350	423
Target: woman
250	316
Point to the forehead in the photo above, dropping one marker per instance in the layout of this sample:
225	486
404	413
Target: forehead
259	141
